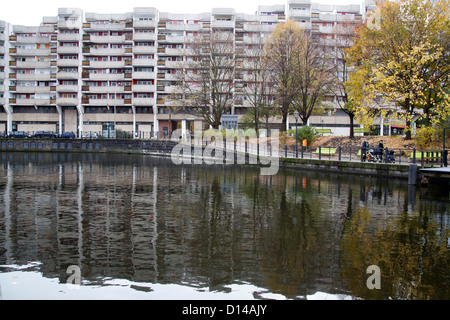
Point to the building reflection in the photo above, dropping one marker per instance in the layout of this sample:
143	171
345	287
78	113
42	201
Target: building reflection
146	220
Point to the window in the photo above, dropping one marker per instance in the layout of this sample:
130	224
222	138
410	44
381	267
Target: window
144	95
69	57
68	95
144	83
139	69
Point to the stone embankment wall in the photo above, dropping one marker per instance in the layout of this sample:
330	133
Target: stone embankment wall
83	145
164	147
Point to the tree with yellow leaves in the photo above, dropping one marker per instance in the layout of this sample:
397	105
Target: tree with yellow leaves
401	63
281	50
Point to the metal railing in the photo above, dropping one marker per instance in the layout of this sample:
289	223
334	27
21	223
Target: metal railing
423	157
405	156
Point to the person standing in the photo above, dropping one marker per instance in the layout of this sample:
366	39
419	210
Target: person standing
364	148
381	150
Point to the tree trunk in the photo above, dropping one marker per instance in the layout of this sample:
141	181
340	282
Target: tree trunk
284	122
352	118
408	130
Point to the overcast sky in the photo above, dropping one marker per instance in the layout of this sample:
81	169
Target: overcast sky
30	12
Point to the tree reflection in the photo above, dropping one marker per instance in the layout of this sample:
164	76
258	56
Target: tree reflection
411	252
295	233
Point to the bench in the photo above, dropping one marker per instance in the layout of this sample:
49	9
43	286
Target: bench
322	131
361	130
426	155
326	151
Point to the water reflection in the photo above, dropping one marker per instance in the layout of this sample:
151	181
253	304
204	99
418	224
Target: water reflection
145	220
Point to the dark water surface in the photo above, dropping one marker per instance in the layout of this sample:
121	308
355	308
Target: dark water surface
217	231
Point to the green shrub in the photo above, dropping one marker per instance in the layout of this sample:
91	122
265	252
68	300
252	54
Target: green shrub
305	132
425	137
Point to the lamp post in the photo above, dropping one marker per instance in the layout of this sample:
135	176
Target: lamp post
443	148
296	142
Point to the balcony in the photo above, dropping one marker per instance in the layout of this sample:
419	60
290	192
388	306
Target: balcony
174	52
299	13
106	77
107	39
67	88
325	17
30	64
31	89
253	40
144	50
67	75
29	40
33	77
68	50
107	64
144	62
258	28
69	24
145	24
175	39
167	89
95	102
68	37
143	102
67	63
29	52
107	51
31	102
121	26
223	24
144	88
173	64
106	102
144	75
144	37
67	102
105	89
192	27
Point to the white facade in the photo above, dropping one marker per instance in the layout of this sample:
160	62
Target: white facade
81	71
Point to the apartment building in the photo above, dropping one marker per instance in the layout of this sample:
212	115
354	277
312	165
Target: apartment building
88	72
4	70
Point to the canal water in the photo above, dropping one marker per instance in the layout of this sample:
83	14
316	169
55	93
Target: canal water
140	227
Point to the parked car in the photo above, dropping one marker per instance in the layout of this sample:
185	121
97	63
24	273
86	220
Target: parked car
3	135
67	135
45	134
18	134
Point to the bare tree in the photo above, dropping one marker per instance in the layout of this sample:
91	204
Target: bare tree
343	38
260	84
206	85
312	75
281	48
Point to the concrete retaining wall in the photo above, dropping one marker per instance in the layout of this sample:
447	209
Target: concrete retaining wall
395	171
83	145
164	147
